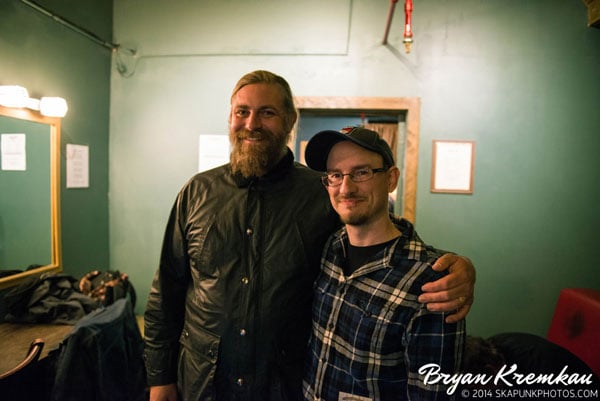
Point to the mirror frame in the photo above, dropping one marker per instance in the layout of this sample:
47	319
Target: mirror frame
54	123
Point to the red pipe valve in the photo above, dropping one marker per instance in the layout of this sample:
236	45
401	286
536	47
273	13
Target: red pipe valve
408	36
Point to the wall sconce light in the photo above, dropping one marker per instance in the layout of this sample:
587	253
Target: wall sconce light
53	106
33	104
18	97
13	96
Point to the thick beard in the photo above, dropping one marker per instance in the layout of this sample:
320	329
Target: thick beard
255	160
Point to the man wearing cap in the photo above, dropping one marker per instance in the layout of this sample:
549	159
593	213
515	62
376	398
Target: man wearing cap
229	312
370	334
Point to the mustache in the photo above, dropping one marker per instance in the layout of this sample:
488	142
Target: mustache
256	134
348	197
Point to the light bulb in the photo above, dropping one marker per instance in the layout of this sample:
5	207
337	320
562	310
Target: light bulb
13	96
53	106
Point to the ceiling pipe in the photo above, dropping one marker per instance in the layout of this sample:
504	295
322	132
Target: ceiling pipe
389	21
71	25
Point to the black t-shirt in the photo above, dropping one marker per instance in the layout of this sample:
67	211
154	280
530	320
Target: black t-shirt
359	255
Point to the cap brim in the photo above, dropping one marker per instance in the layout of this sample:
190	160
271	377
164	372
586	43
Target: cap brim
317	149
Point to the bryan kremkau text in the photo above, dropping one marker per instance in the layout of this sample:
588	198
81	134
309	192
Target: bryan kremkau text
505	376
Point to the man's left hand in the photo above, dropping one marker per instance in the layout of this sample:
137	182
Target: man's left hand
454	292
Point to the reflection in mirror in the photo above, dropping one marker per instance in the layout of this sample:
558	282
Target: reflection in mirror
29	195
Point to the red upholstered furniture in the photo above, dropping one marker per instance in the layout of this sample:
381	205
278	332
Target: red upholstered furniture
576	324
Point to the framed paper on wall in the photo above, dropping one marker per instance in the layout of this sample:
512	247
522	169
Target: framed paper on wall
452	166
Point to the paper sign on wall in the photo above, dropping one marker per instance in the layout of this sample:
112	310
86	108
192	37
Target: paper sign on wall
77	166
13	152
213	151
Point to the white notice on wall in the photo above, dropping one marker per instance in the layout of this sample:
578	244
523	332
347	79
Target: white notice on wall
13	152
213	151
78	166
453	165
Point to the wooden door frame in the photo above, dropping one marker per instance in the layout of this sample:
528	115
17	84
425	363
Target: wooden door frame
411	106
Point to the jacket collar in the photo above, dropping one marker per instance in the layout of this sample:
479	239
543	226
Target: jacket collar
277	173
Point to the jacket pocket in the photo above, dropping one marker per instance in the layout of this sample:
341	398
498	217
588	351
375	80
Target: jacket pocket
204	243
197	363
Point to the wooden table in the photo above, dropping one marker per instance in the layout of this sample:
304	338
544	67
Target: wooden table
15	339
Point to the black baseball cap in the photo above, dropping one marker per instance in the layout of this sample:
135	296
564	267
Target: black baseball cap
317	149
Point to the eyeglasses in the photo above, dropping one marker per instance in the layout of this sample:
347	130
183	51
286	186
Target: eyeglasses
334	179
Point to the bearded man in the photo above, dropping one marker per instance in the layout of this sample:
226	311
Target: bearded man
229	312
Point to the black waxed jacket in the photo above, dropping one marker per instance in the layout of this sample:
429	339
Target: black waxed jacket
229	312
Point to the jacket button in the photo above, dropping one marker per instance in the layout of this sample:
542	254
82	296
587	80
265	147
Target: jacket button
249	231
245	280
239	382
242	332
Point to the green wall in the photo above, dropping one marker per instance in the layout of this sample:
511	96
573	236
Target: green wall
519	77
50	59
522	79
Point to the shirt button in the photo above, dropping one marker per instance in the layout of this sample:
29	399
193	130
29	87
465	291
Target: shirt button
249	231
242	332
239	382
245	280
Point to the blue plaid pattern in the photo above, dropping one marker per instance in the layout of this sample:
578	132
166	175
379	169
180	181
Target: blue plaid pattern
370	335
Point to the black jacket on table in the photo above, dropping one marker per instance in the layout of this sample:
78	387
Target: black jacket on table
228	315
101	358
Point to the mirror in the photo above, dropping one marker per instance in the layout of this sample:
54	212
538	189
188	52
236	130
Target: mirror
29	198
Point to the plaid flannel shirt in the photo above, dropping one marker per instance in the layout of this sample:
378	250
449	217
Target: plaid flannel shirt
370	335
